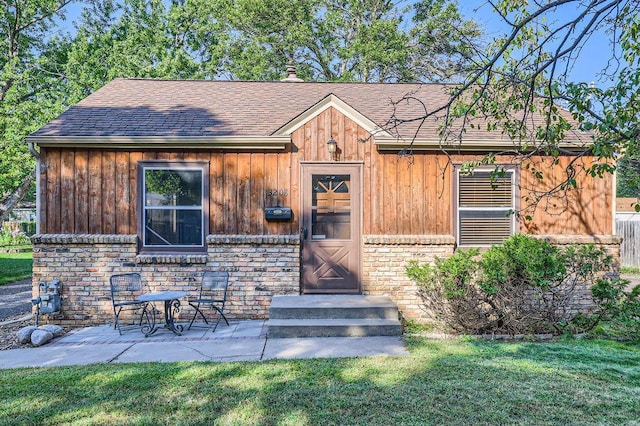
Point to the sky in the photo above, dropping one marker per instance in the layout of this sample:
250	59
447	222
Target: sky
589	63
586	68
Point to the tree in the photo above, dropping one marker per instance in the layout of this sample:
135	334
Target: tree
521	84
628	181
139	38
30	76
345	40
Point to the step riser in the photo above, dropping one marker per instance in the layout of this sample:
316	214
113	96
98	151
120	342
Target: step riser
334	331
350	313
333	316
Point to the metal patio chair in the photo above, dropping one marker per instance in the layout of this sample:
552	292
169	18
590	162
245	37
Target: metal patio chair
125	289
212	295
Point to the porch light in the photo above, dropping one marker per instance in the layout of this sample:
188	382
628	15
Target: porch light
332	147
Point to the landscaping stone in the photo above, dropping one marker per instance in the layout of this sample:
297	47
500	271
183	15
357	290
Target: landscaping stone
24	334
56	330
40	337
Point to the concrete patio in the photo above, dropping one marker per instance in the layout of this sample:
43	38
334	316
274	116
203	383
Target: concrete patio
240	341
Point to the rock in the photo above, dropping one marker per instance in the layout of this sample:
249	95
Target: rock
24	334
40	337
56	330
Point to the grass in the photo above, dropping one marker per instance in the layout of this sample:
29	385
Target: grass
629	270
441	382
15	266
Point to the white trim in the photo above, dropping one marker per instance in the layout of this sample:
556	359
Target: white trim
341	106
195	142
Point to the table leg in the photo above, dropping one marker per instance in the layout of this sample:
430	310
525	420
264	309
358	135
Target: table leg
148	320
171	307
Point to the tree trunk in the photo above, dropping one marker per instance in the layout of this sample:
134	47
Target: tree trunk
7	204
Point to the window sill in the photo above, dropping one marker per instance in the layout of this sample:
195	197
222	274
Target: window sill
180	259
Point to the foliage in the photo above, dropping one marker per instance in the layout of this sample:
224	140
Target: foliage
30	85
13	238
15	266
352	40
629	270
26	228
525	285
439	382
628	177
619	315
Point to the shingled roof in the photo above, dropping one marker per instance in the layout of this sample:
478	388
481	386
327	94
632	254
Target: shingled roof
146	108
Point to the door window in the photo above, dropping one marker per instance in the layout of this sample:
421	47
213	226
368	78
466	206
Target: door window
331	207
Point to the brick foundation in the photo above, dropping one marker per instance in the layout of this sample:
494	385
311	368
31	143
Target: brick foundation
258	266
384	258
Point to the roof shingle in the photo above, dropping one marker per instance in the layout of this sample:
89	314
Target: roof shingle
174	108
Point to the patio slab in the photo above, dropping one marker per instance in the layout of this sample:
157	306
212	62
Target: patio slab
240	341
56	356
334	347
211	350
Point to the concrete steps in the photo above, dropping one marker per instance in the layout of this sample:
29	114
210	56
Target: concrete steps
333	316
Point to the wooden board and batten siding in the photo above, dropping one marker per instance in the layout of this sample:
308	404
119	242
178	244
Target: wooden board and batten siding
93	191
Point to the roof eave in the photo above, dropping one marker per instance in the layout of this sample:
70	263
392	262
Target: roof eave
270	143
473	145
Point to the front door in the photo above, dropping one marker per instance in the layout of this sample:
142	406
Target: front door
330	225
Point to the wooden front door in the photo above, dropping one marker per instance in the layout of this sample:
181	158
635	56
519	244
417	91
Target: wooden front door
331	232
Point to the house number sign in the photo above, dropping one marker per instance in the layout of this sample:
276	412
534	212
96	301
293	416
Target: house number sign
275	192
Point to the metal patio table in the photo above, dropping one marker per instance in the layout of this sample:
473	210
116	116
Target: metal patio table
171	301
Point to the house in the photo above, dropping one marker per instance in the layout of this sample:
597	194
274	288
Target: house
292	187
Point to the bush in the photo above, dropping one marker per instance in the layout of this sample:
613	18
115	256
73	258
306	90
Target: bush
524	286
13	238
28	228
619	313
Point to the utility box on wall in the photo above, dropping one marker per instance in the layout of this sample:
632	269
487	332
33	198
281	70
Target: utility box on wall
277	213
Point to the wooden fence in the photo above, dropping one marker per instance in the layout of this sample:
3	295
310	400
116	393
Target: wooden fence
628	227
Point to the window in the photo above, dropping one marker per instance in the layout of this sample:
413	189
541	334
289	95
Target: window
484	206
174	206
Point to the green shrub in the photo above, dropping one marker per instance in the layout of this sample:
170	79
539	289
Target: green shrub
619	313
13	238
525	285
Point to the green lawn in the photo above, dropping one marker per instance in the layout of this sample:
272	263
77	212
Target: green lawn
441	382
15	266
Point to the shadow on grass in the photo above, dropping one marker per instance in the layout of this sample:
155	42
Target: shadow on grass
452	382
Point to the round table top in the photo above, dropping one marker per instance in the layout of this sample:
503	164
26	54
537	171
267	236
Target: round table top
161	295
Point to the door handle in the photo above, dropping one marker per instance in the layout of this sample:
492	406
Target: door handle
303	232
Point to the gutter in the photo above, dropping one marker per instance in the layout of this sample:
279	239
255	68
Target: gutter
272	143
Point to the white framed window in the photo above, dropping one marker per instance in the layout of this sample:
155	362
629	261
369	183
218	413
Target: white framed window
485	202
173	206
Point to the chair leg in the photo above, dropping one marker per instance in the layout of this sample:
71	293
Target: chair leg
116	324
221	314
198	311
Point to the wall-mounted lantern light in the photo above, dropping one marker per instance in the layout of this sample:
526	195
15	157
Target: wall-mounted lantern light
332	147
